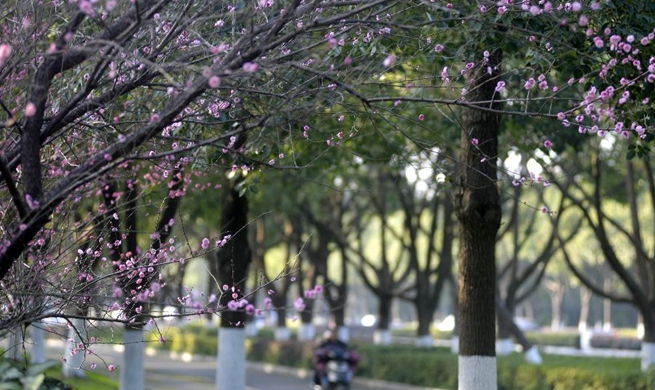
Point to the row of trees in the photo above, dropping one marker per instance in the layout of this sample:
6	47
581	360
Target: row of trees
107	102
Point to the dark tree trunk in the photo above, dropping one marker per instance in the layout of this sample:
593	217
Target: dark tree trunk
339	314
234	257
424	320
384	311
506	322
281	310
478	209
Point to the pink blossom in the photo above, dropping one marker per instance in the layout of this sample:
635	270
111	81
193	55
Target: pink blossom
5	52
421	117
111	367
299	304
389	61
474	141
214	82
438	48
500	86
233	305
205	243
30	109
250	67
87	8
548	144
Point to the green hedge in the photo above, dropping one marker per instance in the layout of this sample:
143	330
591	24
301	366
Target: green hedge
561	339
437	367
288	353
195	340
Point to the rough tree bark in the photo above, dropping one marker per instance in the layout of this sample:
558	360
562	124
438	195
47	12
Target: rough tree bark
233	261
477	204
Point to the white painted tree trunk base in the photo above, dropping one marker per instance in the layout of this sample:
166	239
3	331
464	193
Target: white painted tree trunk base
343	333
504	347
132	372
75	355
282	333
585	340
16	343
477	373
38	343
454	345
647	356
231	363
382	337
251	330
306	332
533	356
424	341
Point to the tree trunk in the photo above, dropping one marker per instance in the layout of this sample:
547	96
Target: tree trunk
233	261
16	343
504	343
339	315
454	345
478	209
382	335
74	355
423	335
585	299
231	364
607	307
38	343
648	343
556	293
506	320
282	332
132	373
306	280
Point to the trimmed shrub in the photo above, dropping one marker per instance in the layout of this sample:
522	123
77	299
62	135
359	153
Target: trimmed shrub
560	339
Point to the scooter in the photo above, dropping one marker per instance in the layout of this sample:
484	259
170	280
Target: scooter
336	368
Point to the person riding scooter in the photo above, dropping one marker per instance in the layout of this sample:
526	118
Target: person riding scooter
334	363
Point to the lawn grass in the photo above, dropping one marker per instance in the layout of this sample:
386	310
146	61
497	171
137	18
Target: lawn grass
93	381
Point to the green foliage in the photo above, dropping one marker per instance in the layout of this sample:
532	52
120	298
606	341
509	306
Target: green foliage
437	367
93	380
288	353
416	366
15	377
561	339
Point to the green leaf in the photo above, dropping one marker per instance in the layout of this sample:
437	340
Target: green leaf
40	368
631	154
10	386
33	382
